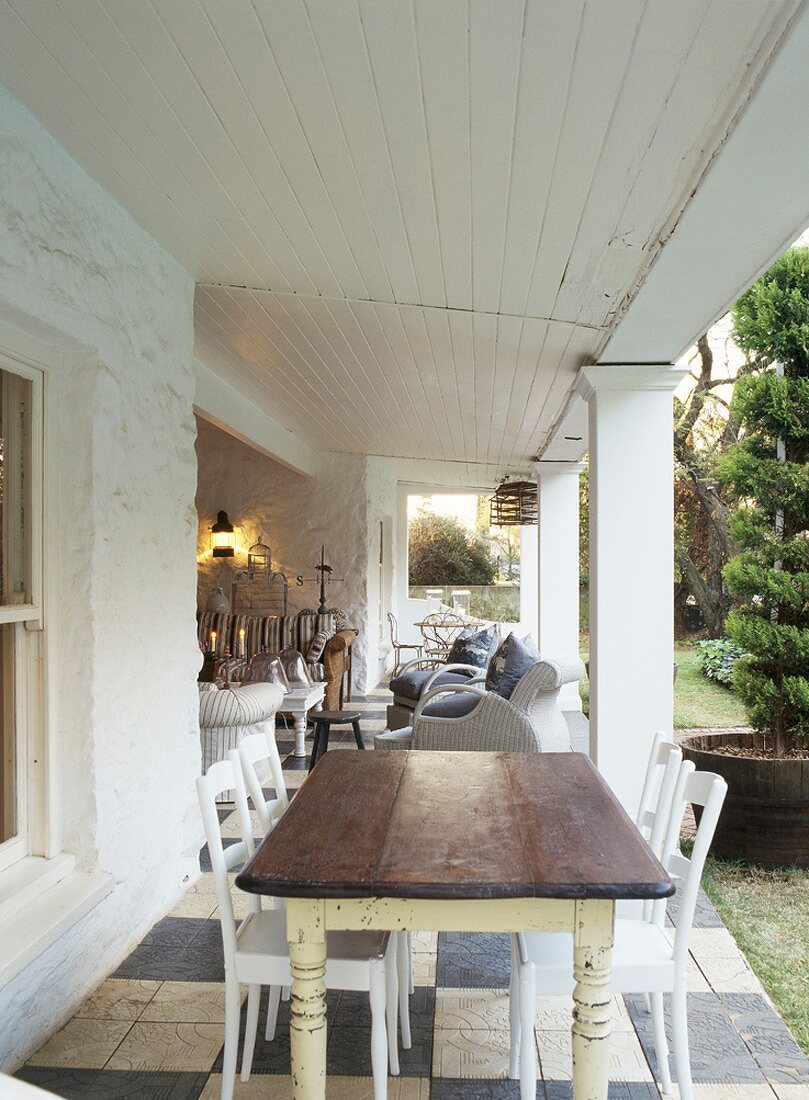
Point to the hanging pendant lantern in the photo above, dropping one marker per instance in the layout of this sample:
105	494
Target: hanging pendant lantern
514	504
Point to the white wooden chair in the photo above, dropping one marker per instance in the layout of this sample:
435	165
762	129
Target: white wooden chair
261	749
645	960
259	753
256	952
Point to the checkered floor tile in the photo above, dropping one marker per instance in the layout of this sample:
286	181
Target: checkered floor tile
154	1028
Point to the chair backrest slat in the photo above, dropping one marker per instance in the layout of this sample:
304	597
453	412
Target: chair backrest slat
658	790
256	749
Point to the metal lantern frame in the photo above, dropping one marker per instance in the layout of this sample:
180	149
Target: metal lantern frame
514	504
259	559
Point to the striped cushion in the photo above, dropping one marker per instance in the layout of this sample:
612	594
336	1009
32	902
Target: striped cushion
317	645
244	706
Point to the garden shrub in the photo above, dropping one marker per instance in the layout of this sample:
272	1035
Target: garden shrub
717	658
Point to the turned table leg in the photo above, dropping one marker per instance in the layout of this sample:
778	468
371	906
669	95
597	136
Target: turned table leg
300	735
307	954
592	969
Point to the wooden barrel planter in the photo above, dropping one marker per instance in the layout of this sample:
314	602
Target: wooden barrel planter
765	818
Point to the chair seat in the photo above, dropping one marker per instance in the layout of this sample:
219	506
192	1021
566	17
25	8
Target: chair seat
642	959
410	684
261	944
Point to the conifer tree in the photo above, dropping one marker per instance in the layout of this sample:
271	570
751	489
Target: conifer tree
769	471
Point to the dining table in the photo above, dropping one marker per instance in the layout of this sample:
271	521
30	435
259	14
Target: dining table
454	842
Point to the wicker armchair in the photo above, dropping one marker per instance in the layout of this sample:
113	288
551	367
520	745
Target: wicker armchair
530	721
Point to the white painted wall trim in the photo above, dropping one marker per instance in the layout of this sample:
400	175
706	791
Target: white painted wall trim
43	898
408	611
223	405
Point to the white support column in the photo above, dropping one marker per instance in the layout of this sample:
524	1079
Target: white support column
529	570
558	557
631	566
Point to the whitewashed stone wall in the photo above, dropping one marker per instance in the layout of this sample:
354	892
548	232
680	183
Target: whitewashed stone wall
296	516
116	311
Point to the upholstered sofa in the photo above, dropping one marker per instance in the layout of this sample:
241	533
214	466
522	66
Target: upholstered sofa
262	632
277	632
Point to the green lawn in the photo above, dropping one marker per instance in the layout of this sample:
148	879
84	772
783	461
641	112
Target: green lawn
768	914
697	702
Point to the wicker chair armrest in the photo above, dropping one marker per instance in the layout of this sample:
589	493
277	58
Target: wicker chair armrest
545	676
444	689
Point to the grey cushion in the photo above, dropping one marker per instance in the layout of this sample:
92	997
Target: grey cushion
453	705
510	663
409	685
474	646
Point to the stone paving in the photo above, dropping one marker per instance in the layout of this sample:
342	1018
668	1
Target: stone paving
154	1028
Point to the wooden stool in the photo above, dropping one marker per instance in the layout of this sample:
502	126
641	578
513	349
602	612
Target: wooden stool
323	721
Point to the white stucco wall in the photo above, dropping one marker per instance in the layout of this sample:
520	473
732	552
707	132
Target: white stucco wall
296	516
114	312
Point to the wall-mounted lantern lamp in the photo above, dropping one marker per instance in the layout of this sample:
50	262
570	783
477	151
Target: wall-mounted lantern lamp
222	537
259	560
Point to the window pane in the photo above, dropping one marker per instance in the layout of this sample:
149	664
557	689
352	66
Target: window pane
9	823
15	473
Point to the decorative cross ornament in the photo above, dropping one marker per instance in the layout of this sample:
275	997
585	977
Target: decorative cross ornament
324	572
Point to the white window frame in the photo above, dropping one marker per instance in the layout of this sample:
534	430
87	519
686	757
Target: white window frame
31	807
408	609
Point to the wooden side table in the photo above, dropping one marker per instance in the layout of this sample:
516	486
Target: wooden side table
298	703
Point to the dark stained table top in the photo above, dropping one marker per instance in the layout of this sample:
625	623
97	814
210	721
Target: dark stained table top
454	825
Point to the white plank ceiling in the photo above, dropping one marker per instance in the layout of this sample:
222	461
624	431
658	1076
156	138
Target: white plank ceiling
410	221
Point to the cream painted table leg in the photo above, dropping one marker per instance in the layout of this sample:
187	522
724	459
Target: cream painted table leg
592	970
307	953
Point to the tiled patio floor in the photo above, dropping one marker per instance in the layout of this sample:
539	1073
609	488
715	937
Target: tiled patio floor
155	1027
